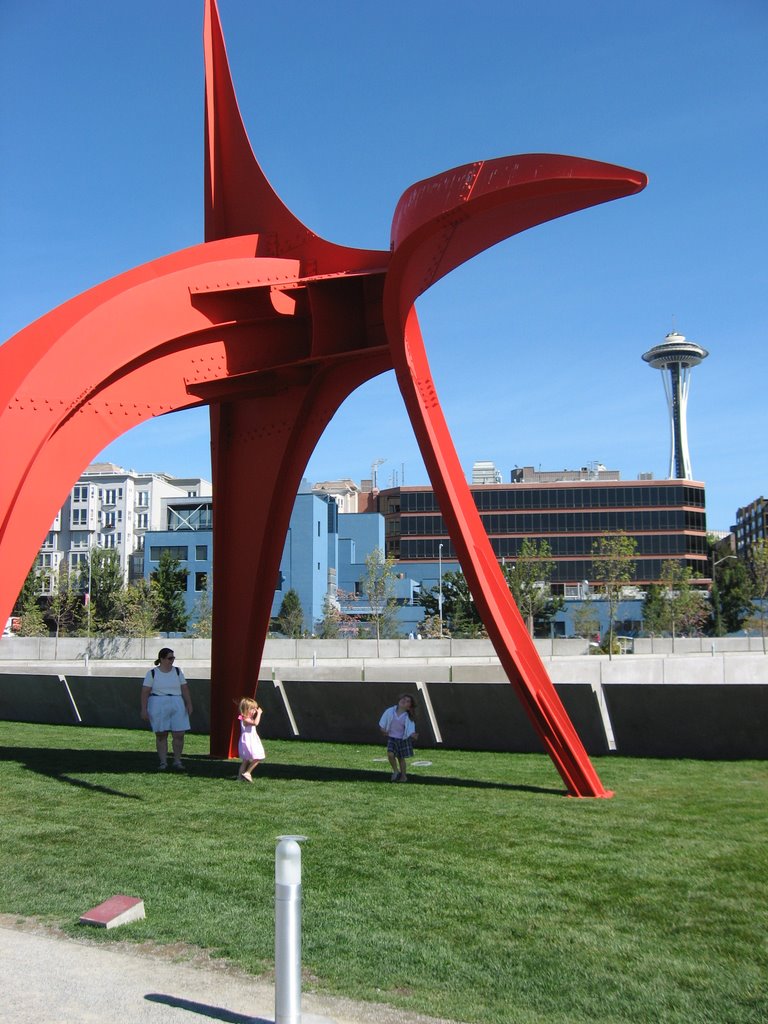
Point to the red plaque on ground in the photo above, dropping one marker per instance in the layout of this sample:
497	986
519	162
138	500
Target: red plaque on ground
115	911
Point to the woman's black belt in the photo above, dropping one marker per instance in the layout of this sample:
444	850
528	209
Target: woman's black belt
165	695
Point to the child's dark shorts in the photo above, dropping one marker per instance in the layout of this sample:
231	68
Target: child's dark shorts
400	748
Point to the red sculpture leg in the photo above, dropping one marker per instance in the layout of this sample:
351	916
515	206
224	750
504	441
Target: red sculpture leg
498	611
260	449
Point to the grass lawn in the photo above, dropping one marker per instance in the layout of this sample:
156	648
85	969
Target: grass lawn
476	892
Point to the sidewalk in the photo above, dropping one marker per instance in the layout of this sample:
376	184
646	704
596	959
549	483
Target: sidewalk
49	978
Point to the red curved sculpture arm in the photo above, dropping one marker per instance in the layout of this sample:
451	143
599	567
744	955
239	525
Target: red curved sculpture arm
439	224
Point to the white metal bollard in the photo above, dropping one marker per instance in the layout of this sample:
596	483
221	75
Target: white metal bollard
288	930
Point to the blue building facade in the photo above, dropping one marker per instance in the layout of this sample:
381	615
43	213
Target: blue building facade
309	564
188	537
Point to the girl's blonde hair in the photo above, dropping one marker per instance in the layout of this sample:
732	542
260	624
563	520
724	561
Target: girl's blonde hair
247	706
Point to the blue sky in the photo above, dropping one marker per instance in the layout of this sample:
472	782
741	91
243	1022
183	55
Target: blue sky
536	344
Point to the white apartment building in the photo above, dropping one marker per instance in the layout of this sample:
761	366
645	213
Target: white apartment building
485	473
345	493
113	508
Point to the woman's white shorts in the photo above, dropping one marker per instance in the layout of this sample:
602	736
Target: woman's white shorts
167	713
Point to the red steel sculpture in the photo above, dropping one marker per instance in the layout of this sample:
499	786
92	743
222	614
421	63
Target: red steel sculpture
273	327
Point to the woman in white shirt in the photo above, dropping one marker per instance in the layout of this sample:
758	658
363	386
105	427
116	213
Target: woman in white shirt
166	704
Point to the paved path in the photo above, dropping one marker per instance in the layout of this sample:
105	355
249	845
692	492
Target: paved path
47	977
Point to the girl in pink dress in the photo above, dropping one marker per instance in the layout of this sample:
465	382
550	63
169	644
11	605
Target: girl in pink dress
250	748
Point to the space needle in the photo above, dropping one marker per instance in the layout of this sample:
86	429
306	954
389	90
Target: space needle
675	357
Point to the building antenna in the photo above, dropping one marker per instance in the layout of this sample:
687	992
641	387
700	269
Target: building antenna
374	473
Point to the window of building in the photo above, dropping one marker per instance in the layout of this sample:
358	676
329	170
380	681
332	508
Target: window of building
179	551
201	552
201	581
142	521
142	499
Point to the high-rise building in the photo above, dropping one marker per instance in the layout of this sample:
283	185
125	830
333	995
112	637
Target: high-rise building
666	518
675	357
751	526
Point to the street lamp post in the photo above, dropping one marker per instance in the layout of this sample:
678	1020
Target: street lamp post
715	591
440	585
90	582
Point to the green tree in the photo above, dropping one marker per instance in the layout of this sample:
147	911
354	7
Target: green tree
202	615
686	606
139	611
107	585
528	579
290	619
169	582
65	608
30	590
430	627
460	617
28	606
329	627
378	585
654	611
586	620
730	597
613	566
758	570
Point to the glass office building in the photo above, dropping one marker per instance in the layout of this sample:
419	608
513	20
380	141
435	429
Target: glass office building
667	518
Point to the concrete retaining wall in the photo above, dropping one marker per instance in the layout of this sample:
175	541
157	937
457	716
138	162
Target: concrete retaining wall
715	720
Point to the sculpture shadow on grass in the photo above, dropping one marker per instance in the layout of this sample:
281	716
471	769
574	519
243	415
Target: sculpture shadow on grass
67	765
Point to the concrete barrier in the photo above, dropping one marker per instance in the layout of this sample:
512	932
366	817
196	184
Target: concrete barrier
489	716
35	698
348	712
114	702
715	705
722	722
